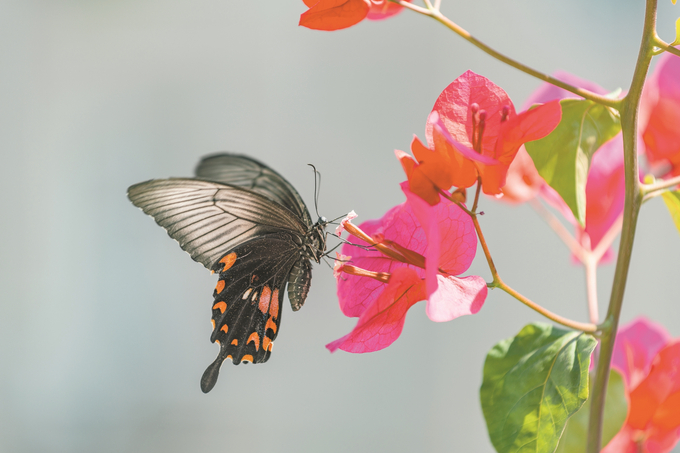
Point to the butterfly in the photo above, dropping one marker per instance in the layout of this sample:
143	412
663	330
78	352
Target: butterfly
245	222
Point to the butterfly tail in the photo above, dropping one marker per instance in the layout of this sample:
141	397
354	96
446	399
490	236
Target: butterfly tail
209	378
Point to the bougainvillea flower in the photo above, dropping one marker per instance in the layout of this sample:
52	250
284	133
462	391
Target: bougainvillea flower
473	131
649	361
660	114
338	14
413	253
605	187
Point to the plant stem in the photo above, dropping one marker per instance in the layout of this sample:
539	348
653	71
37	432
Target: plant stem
584	327
439	17
498	283
660	43
650	190
590	265
630	214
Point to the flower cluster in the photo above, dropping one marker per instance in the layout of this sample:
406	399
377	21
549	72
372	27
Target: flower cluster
413	253
649	361
473	132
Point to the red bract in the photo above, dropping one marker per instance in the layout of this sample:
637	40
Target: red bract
649	361
420	250
660	114
338	14
605	187
473	131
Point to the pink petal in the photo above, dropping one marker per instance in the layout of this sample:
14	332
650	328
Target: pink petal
451	238
456	297
605	189
334	14
637	343
548	92
458	245
660	113
426	215
437	124
623	442
382	322
655	402
453	104
529	125
382	9
522	182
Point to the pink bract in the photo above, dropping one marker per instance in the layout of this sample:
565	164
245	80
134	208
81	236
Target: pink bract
446	238
660	114
473	106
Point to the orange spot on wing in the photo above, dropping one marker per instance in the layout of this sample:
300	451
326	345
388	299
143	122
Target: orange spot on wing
222	306
265	297
220	286
235	342
267	344
254	337
270	325
224	328
229	357
218	342
274	307
247	358
228	261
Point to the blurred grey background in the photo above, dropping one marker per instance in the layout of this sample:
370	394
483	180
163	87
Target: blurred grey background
104	321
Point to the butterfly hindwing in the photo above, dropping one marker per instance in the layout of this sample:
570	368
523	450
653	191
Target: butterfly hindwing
248	299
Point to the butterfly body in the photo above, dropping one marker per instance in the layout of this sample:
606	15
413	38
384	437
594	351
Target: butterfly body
245	222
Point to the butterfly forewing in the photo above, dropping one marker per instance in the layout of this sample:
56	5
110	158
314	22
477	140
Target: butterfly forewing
207	218
246	172
246	312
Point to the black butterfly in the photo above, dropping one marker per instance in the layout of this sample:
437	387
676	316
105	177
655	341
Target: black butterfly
243	220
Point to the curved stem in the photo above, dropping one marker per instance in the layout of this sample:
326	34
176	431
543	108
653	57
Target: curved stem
582	326
630	215
487	254
498	283
660	43
439	17
649	190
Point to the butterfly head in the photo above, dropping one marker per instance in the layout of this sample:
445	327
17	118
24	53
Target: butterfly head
315	240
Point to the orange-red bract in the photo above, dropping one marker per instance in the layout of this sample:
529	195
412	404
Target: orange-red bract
650	364
473	131
332	15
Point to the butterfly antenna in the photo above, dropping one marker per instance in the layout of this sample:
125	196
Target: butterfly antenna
317	189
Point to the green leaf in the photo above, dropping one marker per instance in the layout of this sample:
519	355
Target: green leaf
532	384
563	157
615	411
672	200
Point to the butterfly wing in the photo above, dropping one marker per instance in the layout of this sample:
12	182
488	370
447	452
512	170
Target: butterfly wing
243	171
208	218
248	298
